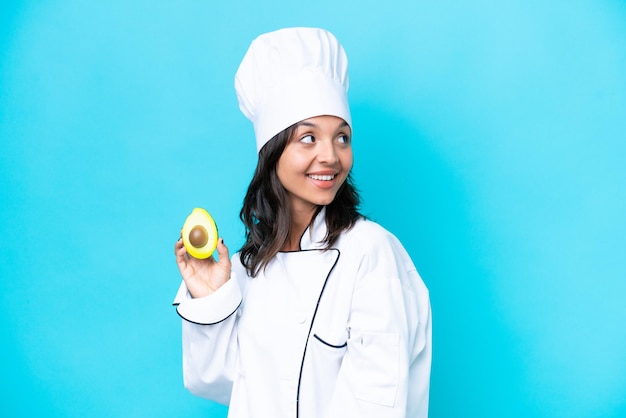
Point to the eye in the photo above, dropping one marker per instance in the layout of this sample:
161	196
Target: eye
343	139
307	139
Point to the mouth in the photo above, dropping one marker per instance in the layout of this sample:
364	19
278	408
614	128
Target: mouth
322	177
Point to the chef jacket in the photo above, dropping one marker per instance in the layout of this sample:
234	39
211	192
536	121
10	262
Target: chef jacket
343	332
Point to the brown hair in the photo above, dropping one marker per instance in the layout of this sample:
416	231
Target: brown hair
266	213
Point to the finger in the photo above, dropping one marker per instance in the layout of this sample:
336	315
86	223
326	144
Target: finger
180	252
222	250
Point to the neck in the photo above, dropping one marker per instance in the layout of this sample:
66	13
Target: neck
300	221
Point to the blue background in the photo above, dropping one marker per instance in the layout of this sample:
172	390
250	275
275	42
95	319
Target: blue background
489	137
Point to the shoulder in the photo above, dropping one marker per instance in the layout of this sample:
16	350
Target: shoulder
236	262
369	234
239	271
380	258
369	240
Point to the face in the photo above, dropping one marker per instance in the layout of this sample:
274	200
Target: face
316	162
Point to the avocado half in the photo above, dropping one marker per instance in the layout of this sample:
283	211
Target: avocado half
200	234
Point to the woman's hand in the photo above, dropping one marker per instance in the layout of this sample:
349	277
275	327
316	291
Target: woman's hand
203	277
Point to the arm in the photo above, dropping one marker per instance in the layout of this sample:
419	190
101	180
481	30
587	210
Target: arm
386	370
210	341
207	301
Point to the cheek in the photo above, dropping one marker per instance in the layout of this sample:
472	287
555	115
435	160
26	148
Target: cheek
280	173
287	169
347	161
292	164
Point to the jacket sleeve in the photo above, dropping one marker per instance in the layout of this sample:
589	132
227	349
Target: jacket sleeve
385	372
209	339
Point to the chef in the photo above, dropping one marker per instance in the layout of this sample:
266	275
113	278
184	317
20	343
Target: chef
321	313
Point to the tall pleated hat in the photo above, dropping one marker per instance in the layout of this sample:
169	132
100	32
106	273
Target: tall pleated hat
290	75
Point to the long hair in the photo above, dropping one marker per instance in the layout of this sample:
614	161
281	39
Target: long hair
266	209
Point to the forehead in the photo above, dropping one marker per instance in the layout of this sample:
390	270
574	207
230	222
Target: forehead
325	122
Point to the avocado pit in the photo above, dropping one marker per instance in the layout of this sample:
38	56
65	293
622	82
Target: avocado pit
198	236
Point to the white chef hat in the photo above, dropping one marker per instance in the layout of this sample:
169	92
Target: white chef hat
290	75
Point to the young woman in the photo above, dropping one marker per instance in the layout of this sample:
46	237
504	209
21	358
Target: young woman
322	312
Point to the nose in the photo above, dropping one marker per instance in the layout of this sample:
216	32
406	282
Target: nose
327	152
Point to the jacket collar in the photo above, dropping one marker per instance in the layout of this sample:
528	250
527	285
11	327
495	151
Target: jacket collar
313	237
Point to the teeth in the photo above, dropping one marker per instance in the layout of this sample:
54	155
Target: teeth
322	177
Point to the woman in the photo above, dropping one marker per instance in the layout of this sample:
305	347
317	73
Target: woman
322	313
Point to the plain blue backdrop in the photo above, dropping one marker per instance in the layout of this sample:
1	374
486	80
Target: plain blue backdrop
489	137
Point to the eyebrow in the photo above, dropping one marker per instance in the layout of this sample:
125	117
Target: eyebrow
314	125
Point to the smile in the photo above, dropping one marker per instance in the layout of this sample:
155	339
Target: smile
322	177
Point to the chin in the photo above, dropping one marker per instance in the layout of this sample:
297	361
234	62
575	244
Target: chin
325	202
